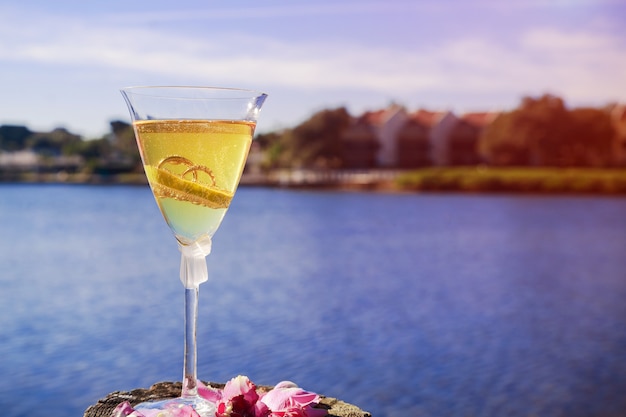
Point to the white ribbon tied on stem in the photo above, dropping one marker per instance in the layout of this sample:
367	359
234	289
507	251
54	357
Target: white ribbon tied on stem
193	268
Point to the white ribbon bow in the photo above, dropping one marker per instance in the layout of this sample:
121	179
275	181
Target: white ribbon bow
193	268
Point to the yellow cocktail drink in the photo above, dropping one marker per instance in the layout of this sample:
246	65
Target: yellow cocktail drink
193	167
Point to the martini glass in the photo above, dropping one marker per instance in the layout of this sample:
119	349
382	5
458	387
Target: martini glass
193	143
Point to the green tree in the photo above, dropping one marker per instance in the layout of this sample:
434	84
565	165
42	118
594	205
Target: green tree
13	137
92	150
57	142
500	146
315	143
272	147
542	124
123	141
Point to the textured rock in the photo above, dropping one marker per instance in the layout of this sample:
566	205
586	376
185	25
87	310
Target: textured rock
163	390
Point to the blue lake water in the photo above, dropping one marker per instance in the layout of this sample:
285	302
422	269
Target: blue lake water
405	305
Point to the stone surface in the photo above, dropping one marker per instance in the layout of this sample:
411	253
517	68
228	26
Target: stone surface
163	390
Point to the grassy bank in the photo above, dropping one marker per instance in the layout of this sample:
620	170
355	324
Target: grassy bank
448	179
527	180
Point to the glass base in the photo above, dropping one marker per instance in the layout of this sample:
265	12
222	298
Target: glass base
174	407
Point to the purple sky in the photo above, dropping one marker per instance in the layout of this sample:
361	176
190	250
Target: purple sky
62	62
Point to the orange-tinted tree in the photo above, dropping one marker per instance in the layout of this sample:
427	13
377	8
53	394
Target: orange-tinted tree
543	132
590	139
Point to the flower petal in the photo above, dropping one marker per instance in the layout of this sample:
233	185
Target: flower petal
240	385
286	384
124	409
208	393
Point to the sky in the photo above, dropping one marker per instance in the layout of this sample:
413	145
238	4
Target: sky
63	62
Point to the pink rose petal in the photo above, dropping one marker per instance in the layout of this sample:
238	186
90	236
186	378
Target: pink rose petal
285	384
287	400
125	409
239	398
208	393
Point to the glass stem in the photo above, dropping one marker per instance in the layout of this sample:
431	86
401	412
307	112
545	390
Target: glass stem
190	388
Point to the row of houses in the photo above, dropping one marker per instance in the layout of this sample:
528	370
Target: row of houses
388	138
397	138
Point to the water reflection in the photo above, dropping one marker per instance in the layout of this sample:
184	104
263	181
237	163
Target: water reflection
426	305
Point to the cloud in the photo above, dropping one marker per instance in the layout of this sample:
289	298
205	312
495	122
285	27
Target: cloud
57	41
584	64
581	64
52	64
550	39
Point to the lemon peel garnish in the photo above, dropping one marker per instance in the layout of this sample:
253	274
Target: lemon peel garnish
168	185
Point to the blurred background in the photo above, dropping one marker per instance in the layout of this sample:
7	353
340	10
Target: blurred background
63	63
484	276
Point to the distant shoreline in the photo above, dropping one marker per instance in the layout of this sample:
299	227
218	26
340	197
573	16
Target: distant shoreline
450	179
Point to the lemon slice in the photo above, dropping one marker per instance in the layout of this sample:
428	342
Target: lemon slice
168	185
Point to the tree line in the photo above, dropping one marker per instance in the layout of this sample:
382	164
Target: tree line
541	131
544	132
115	151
